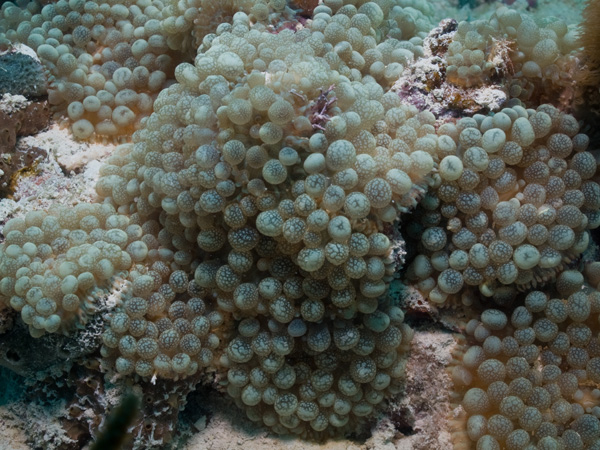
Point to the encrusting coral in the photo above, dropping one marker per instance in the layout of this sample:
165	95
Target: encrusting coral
24	109
252	221
20	117
22	75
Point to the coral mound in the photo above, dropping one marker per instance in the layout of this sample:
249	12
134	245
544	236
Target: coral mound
532	378
247	228
514	208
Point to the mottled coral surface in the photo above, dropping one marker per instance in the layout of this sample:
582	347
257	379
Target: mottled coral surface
322	220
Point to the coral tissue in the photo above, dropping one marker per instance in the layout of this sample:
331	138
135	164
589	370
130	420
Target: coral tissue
250	216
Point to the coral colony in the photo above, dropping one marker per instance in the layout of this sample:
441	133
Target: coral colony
270	158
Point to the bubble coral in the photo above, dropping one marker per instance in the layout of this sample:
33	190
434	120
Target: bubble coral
536	388
251	218
510	210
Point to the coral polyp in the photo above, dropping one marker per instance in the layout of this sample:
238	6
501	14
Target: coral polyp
282	174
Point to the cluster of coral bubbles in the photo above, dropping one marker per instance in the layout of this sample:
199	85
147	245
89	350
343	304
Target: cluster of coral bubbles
253	219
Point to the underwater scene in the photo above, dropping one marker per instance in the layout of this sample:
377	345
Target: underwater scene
299	224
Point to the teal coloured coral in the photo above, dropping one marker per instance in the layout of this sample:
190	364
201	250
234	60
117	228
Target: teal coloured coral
22	75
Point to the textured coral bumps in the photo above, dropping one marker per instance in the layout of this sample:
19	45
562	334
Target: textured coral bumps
107	60
532	379
481	50
51	262
282	225
514	208
250	218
